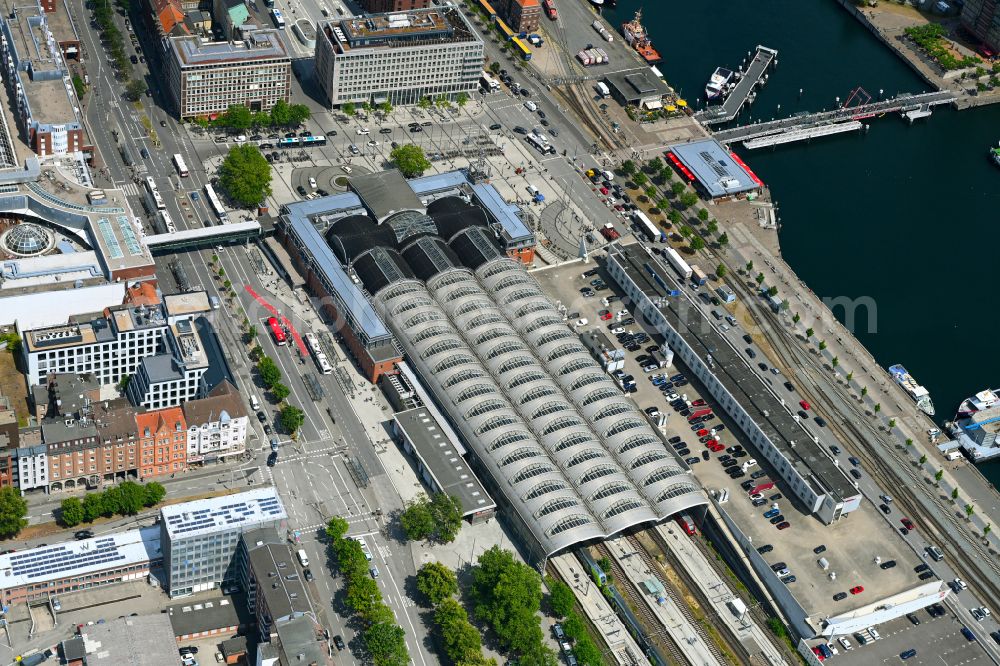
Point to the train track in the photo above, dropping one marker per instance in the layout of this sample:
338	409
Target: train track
901	474
651	564
654	629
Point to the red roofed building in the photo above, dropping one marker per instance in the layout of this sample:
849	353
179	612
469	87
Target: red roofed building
141	293
162	442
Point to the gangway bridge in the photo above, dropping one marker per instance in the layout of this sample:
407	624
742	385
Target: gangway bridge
237	232
753	76
800	124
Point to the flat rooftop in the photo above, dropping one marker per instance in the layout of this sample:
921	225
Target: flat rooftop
636	85
187	304
440	454
143	640
385	193
719	171
206	615
777	420
410	28
49	100
278	580
264	44
228	512
70	559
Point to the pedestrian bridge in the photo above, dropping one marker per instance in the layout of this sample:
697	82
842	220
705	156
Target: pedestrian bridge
237	232
798	122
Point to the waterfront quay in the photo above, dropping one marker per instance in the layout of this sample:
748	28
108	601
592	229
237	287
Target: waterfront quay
751	78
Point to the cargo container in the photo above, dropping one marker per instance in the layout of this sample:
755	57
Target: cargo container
679	264
697	275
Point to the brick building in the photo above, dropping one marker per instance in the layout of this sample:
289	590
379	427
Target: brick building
162	442
522	15
384	6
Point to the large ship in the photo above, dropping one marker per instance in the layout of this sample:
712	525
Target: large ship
920	395
995	154
719	84
638	39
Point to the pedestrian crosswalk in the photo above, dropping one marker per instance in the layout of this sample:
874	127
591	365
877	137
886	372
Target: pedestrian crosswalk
130	189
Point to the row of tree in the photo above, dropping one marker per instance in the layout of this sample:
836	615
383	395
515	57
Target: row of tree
436	518
383	638
290	416
562	602
386	108
459	639
507	595
282	115
124	499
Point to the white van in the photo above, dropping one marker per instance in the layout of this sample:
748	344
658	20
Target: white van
532	190
254	403
303	558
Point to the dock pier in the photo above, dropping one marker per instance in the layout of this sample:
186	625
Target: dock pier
752	77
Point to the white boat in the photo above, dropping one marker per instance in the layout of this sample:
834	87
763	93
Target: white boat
980	401
920	395
718	85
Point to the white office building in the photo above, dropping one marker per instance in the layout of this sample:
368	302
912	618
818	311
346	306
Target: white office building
217	425
400	57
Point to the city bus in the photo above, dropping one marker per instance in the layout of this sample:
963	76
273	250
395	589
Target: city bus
544	147
153	199
215	203
181	167
289	142
279	20
310	141
312	343
521	49
166	222
277	332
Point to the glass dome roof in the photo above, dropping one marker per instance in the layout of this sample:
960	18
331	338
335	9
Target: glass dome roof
27	239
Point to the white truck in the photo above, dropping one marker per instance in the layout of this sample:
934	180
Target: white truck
303	558
602	89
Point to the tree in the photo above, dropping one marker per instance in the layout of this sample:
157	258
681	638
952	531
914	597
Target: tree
111	501
666	174
386	107
892	423
280	392
697	243
495	67
663	203
437	582
280	114
363	595
298	114
723	240
628	168
507	595
416	520
773	291
131	498
640	179
122	384
954	494
688	199
759	278
720	271
850	376
654	165
987	528
425	102
291	418
675	216
222	273
461	640
93	506
749	267
462	99
969	510
442	101
236	117
923	459
13	509
245	175
864	389
386	644
71	512
135	89
336	528
252	332
446	511
703	214
155	492
677	188
877	407
349	109
227	285
938	475
270	374
686	231
367	106
561	597
796	318
835	361
81	88
410	160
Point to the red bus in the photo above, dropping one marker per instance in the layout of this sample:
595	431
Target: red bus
277	332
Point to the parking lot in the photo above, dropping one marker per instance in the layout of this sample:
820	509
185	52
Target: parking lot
935	640
850	562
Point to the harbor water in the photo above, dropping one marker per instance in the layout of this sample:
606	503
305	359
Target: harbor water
907	216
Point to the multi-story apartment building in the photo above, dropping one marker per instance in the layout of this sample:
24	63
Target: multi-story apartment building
385	6
200	538
522	15
109	346
46	104
9	441
207	78
217	425
399	58
162	442
982	19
